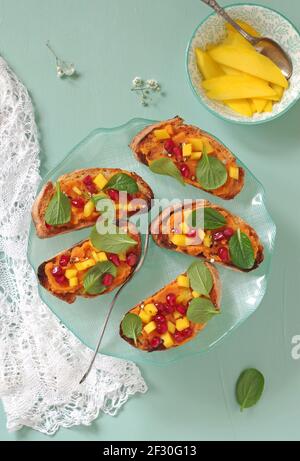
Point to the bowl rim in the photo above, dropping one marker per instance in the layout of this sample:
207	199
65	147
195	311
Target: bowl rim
214	112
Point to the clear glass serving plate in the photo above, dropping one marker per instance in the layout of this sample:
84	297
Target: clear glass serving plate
242	292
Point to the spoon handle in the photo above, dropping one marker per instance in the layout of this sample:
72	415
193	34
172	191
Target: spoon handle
219	10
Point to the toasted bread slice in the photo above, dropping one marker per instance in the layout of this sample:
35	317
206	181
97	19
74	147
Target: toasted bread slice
75	180
147	148
151	339
167	233
81	253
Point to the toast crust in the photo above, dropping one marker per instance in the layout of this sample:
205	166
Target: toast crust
215	296
42	201
228	191
70	297
163	241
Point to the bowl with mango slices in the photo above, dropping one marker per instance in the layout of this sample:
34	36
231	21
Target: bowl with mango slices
231	78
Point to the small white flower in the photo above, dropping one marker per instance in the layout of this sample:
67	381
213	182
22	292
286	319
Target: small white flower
137	82
153	84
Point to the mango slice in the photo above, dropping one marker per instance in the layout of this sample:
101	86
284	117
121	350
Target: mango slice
207	67
230	70
250	62
241	106
243	25
235	39
259	104
278	89
237	87
268	107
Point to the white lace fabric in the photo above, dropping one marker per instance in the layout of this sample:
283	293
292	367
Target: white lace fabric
41	362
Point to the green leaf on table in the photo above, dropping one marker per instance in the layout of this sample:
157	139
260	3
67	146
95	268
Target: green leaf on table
201	310
249	388
92	281
166	167
122	182
200	278
132	326
112	243
59	209
211	172
241	251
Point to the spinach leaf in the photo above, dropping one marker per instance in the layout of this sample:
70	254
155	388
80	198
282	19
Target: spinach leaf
166	167
211	172
122	182
132	326
201	310
200	278
92	281
112	243
249	388
59	209
241	250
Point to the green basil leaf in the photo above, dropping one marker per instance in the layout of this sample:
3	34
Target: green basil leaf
241	250
166	167
249	388
59	209
211	172
201	310
200	278
122	182
132	326
112	243
92	281
207	218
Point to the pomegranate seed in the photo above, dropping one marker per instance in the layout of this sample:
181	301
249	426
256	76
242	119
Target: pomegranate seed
217	236
91	188
107	280
162	328
61	280
113	194
169	309
48	226
171	299
178	153
187	333
224	254
155	342
87	180
192	233
57	271
159	318
64	260
114	259
178	336
161	307
131	259
228	232
185	171
78	202
181	309
169	146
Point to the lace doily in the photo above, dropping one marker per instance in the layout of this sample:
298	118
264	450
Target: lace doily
41	362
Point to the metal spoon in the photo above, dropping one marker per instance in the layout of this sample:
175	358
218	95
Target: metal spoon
263	45
112	305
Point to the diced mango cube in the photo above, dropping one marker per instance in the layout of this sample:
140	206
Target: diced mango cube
207	241
82	266
179	138
196	294
184	227
177	315
201	234
77	190
100	181
73	282
178	240
182	324
150	327
102	257
146	318
70	273
122	256
197	144
95	255
187	150
169	129
161	134
167	340
89	209
208	147
196	155
183	281
234	172
150	309
171	327
184	296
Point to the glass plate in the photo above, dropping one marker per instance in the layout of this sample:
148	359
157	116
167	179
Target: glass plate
242	292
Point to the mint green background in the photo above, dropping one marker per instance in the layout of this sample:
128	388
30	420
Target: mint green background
112	41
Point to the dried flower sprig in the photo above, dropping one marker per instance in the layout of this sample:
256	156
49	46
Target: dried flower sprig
63	68
144	89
